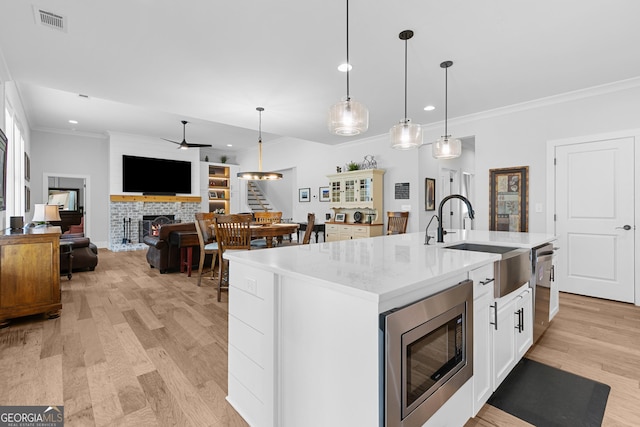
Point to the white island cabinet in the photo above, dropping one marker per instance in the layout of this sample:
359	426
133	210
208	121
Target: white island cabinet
304	337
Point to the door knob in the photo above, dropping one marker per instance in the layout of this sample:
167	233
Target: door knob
625	227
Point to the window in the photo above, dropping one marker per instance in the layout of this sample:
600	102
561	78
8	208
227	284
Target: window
15	166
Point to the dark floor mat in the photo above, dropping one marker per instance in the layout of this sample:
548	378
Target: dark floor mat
548	397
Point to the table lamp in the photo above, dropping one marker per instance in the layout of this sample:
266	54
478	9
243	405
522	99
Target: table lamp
44	213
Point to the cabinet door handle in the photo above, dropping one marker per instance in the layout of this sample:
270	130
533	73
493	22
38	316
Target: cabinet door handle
495	315
520	325
486	281
553	273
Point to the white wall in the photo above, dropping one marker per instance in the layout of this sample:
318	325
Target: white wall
69	154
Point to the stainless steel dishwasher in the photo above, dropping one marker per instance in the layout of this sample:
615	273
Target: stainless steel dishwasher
541	278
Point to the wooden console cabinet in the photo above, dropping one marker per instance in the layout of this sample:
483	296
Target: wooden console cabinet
29	273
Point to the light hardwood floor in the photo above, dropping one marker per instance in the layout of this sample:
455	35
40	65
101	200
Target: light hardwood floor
136	348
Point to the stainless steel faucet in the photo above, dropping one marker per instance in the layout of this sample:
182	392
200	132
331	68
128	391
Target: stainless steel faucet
441	231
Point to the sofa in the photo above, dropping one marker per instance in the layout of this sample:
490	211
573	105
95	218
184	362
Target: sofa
161	253
85	253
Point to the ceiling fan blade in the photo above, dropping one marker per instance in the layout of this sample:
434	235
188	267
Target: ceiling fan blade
184	144
198	145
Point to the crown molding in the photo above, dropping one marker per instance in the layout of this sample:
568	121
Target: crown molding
542	102
71	132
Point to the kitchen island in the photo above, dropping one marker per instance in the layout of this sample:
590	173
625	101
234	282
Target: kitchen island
304	337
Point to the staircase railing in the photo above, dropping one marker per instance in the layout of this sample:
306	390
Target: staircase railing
257	195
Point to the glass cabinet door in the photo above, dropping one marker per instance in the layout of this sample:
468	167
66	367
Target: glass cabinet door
335	191
350	190
365	190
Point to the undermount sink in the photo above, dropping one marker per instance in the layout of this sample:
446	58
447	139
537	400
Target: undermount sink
481	248
510	272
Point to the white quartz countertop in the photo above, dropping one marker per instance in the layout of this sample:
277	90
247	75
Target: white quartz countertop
381	268
496	238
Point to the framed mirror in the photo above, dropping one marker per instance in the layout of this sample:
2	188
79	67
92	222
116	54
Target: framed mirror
65	198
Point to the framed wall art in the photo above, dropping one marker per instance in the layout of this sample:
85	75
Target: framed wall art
304	194
324	194
509	199
27	167
429	194
3	170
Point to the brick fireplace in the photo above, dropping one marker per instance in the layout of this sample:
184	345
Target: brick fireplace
128	214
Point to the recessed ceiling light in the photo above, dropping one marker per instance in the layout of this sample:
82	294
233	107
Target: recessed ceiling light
344	67
429	108
73	122
229	145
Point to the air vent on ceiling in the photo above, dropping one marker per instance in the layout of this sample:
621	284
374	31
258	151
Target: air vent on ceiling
50	19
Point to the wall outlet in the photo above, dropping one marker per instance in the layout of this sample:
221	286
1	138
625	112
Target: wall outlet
406	208
538	207
252	286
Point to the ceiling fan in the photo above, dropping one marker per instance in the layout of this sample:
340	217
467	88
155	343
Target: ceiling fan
184	144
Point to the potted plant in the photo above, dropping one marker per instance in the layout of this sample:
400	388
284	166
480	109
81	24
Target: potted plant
353	166
223	159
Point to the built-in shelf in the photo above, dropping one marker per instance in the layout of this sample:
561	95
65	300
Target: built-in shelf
219	188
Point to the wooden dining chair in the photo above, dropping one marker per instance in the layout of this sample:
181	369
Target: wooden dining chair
311	219
208	244
269	217
265	218
233	233
397	222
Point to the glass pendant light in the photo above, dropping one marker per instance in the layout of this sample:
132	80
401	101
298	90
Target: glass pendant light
446	147
259	175
348	117
405	135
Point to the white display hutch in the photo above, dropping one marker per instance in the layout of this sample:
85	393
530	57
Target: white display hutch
352	192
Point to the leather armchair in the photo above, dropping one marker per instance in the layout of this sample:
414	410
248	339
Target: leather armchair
85	253
161	254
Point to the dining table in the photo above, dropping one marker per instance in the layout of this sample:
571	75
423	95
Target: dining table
270	231
273	231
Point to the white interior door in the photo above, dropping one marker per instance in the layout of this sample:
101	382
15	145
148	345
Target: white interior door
595	218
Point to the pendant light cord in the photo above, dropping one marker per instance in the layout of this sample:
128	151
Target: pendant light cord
405	79
348	63
260	109
446	97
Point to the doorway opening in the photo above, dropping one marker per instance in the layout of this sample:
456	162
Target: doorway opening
72	194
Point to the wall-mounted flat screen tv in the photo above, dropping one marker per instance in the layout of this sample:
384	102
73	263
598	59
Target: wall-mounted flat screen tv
155	176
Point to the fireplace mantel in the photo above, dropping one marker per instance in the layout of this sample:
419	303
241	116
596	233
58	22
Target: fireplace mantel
140	198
